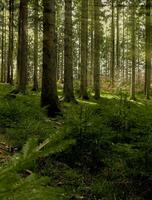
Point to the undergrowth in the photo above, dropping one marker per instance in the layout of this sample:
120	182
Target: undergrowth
98	150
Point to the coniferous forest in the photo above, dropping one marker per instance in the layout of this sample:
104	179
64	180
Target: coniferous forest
75	100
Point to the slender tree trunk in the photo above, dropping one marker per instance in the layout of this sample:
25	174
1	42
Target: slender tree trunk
112	63
138	46
133	53
68	68
11	43
49	97
92	42
148	50
97	48
127	60
123	42
84	48
2	50
5	46
36	25
22	47
118	40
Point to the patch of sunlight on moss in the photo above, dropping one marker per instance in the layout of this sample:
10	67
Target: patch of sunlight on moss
110	96
138	103
86	102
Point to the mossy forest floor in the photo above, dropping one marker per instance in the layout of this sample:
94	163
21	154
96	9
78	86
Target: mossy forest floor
96	150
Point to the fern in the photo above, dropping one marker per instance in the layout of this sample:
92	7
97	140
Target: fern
15	186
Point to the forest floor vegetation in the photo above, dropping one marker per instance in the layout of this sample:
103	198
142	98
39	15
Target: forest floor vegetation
96	150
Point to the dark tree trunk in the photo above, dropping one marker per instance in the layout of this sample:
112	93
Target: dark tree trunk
112	61
97	48
2	50
11	42
84	48
148	50
68	68
49	96
22	47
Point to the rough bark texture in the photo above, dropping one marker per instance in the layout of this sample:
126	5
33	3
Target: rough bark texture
49	96
68	68
84	48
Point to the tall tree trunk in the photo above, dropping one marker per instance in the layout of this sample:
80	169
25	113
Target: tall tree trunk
123	44
2	50
97	48
133	53
11	43
36	24
92	42
148	50
5	46
112	62
118	40
84	48
138	53
127	52
22	47
49	97
68	68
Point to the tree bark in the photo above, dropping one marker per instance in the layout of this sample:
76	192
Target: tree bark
49	97
97	48
36	24
133	53
11	43
68	68
112	61
84	49
118	40
2	50
22	47
148	50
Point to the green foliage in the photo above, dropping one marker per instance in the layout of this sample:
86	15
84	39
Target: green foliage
113	142
98	150
84	125
13	184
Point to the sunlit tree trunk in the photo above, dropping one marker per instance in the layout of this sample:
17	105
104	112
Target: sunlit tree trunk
11	43
36	24
133	49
